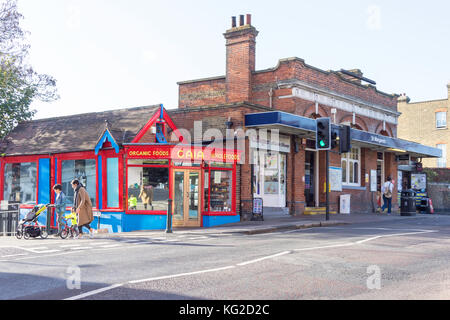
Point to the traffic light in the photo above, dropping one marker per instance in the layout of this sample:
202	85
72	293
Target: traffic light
334	139
344	139
323	134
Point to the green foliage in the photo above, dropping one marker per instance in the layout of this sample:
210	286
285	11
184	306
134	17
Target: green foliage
20	85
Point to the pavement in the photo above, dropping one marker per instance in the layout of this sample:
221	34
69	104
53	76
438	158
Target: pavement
283	222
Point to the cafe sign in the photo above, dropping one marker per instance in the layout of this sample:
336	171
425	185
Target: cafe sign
185	153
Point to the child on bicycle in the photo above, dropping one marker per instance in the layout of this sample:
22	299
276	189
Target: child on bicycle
73	216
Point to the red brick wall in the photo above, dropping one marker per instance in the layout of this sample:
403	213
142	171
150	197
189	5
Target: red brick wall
202	93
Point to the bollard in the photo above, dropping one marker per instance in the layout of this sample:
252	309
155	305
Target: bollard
169	217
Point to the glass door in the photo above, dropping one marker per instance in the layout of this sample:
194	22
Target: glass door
186	204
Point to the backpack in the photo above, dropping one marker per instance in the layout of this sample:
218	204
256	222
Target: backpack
387	192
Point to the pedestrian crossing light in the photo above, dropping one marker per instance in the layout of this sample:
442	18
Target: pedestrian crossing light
323	134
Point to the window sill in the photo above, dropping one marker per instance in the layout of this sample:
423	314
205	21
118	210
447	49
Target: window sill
353	187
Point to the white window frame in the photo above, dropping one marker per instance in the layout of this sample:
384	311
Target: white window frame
441	120
348	160
442	161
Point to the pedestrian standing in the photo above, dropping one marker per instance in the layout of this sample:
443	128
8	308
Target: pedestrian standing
60	206
83	207
387	189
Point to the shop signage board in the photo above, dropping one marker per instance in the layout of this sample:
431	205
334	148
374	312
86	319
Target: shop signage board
184	153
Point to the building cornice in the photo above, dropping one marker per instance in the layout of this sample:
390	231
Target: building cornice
303	90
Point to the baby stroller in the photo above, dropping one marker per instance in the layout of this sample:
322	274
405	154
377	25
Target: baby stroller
29	227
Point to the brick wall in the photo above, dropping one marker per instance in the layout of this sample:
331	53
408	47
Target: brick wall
418	123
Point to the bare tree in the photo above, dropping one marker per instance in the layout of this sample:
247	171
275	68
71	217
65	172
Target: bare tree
20	85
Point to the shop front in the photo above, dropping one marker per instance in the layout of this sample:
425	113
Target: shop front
200	181
129	172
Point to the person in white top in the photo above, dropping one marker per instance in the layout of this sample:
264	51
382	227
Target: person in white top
387	190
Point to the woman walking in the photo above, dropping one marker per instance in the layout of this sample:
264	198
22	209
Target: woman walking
82	205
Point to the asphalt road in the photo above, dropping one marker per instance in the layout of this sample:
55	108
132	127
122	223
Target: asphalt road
402	259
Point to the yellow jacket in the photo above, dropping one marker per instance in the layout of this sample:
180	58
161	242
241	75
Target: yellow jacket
73	217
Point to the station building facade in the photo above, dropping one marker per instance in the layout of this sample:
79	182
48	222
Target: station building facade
233	138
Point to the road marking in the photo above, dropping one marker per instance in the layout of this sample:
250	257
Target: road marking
38	250
111	246
97	243
181	275
14	255
81	248
264	258
197	238
91	293
94	292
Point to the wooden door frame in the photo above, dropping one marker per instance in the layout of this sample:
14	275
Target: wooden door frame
186	222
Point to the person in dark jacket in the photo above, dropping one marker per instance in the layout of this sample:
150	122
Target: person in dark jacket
60	206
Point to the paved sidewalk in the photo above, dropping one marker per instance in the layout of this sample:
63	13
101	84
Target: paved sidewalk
283	222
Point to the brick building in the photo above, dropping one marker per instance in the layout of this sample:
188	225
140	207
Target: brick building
294	178
426	122
233	138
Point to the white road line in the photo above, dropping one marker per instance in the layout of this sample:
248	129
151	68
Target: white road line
81	248
94	292
181	275
14	255
197	238
111	246
97	243
264	258
35	250
91	293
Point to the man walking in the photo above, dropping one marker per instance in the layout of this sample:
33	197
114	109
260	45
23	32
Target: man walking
387	189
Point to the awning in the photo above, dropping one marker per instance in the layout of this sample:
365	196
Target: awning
306	128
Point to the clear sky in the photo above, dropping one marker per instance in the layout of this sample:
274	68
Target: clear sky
110	54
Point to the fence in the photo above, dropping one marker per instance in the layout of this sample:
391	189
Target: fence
9	219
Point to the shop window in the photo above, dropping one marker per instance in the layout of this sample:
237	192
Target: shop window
351	167
112	182
271	173
82	170
20	182
442	161
221	184
148	188
441	119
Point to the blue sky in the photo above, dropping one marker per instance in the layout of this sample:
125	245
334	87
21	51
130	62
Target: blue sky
110	54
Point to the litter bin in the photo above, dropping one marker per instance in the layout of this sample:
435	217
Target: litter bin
408	203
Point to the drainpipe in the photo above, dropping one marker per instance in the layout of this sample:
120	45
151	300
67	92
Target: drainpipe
270	98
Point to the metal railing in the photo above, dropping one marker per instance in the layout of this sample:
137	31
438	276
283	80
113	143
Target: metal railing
9	219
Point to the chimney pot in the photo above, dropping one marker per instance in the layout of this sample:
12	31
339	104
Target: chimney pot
249	19
233	22
241	20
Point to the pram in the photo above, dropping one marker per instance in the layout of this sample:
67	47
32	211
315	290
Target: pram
30	227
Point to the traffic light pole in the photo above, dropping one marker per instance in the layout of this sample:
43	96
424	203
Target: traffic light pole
327	186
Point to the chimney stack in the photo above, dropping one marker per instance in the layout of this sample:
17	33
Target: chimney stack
240	59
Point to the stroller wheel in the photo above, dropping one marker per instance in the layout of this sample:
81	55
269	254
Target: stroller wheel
26	235
19	234
44	233
64	233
